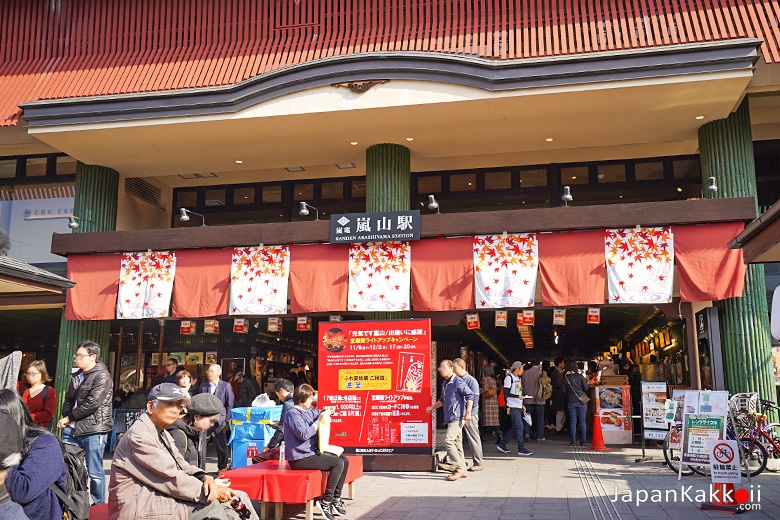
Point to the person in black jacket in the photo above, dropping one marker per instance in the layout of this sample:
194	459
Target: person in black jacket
87	414
575	387
284	391
189	432
558	401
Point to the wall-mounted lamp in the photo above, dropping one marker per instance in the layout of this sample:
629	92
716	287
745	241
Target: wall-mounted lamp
73	221
712	185
566	196
433	204
184	216
304	211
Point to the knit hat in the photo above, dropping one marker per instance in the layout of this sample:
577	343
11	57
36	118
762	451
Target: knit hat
11	443
205	405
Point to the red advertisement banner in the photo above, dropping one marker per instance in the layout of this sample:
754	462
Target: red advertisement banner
378	376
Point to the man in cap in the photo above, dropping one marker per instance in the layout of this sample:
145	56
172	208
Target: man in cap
149	477
513	394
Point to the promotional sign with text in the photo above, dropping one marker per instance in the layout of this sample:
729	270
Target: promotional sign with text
378	376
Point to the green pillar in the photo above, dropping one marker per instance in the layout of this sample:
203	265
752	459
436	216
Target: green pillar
726	148
97	189
388	188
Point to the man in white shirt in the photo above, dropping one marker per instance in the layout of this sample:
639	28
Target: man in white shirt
513	394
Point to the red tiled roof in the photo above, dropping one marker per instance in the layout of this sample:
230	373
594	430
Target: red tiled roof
78	48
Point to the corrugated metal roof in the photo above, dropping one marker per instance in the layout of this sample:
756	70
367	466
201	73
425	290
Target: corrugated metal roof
73	48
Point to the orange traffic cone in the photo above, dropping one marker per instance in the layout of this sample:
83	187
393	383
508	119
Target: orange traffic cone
725	500
597	443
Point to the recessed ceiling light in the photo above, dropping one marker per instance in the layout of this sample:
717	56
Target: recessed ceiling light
621	196
469	184
699	117
354	143
410	138
239	161
246	197
549	139
295	168
345	166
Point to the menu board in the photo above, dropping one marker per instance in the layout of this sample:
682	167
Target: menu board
614	406
378	376
654	410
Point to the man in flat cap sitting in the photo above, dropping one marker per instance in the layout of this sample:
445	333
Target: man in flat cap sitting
149	477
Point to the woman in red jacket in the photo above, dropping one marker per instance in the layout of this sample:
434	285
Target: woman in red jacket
38	396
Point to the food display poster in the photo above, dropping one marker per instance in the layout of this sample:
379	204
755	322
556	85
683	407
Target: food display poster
654	397
378	376
614	406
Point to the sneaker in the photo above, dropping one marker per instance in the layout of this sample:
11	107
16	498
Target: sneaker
502	449
455	475
475	467
338	509
524	453
326	509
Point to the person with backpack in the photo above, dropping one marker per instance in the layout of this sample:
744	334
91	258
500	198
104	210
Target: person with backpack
189	432
532	376
39	397
29	483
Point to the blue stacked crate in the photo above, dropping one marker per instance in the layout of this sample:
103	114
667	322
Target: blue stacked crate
251	426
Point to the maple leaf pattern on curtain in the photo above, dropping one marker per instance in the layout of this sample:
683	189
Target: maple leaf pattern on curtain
145	284
258	280
505	270
640	264
379	276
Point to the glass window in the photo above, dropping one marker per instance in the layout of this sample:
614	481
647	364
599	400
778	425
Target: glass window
649	171
498	180
427	184
35	167
66	166
686	168
272	194
533	178
463	182
215	197
333	190
245	195
8	169
304	192
612	173
187	199
359	189
574	175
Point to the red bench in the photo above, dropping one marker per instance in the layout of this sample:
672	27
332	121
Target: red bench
271	484
98	512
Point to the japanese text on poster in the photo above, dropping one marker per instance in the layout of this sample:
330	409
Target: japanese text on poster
377	375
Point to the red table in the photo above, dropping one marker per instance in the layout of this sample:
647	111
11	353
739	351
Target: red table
270	483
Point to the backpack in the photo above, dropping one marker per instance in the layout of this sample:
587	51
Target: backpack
75	499
544	388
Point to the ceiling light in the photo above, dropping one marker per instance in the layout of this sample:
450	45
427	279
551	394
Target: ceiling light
410	138
549	139
621	196
433	204
293	169
304	211
601	175
345	166
184	216
566	198
679	189
469	184
239	161
574	177
354	143
699	117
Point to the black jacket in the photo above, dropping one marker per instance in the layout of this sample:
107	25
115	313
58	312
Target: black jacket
88	405
190	442
559	392
577	387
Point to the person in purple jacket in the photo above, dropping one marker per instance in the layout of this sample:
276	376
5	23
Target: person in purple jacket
41	466
301	450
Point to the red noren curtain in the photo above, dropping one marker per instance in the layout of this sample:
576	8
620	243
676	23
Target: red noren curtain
97	282
443	274
572	268
318	278
202	282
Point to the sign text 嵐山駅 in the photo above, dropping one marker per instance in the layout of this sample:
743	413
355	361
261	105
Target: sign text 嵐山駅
378	376
374	227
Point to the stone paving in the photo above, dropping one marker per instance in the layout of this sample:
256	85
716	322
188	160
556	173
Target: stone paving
558	483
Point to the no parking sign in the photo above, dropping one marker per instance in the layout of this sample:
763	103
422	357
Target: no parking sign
724	462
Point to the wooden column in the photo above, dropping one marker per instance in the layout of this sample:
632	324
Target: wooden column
139	355
160	363
118	363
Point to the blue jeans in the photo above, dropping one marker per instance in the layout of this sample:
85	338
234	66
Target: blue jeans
577	417
537	414
516	430
93	446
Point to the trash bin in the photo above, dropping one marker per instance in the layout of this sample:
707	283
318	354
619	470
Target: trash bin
251	429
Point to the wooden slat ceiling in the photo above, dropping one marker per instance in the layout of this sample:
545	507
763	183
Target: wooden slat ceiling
72	48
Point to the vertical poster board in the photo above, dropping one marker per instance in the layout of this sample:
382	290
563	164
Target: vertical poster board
704	420
654	395
614	406
377	375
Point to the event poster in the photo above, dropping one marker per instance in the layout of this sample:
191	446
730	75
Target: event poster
377	375
614	404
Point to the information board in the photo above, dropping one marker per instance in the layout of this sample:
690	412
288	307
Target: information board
654	410
698	431
378	376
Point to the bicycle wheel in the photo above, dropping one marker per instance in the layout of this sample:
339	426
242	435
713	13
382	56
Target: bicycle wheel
772	446
755	454
672	454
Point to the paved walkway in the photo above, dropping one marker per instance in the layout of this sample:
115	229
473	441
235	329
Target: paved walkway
557	483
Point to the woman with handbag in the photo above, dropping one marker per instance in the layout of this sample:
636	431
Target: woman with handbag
489	407
576	400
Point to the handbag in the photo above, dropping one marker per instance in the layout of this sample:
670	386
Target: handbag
490	393
583	398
